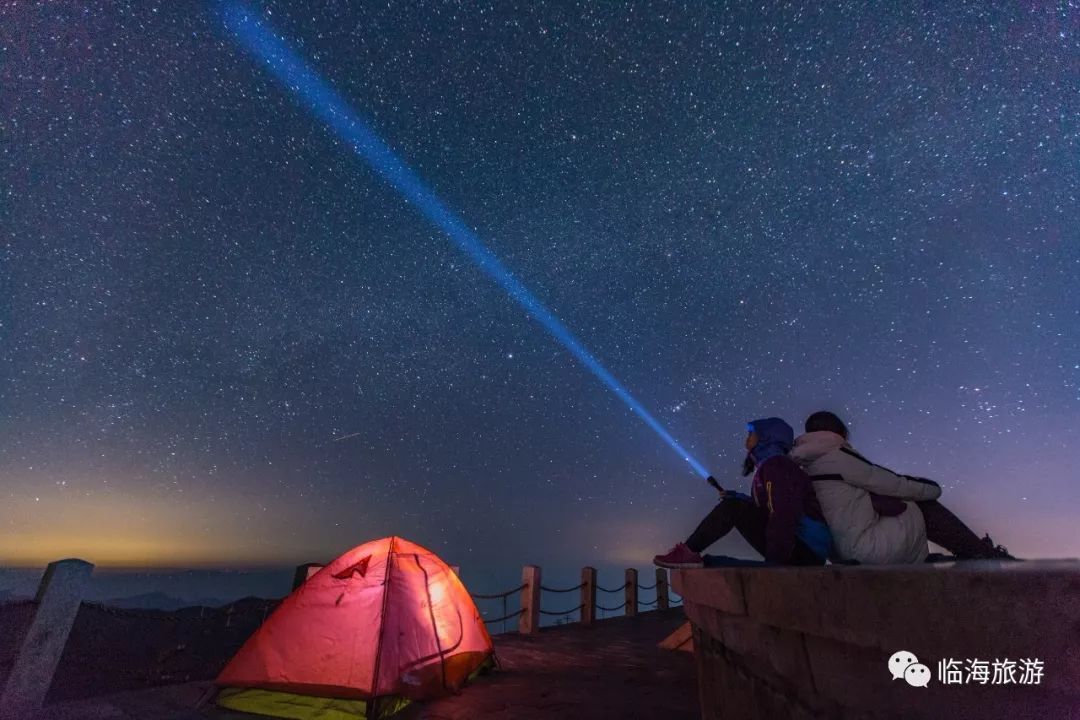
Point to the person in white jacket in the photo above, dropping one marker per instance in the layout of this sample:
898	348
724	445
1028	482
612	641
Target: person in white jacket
878	516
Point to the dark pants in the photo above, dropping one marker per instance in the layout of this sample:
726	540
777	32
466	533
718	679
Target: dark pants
945	529
750	520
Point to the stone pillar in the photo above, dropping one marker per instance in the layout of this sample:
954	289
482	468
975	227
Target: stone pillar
631	592
663	598
529	620
588	595
58	598
303	572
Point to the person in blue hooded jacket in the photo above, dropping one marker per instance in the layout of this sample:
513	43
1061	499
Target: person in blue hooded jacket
781	518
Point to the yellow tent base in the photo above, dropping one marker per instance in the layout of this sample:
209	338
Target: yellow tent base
301	707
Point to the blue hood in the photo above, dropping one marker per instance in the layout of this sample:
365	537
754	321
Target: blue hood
775	437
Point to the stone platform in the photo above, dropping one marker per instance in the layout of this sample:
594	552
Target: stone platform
612	669
816	642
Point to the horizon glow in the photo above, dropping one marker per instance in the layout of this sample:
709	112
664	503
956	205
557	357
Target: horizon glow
328	105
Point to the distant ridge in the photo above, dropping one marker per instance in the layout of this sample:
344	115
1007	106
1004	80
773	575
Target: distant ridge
161	601
10	596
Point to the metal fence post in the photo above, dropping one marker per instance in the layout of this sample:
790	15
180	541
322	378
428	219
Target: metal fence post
663	599
58	598
529	622
631	592
588	595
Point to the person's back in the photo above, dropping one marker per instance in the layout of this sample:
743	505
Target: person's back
786	492
845	483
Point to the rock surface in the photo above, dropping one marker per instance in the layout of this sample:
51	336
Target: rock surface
805	642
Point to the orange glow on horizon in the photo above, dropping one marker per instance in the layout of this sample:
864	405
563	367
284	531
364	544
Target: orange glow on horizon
147	530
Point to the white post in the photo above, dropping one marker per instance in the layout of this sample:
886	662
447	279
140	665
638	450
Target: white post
529	621
631	592
588	595
663	598
58	598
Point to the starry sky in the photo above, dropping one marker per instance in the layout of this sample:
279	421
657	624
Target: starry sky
225	341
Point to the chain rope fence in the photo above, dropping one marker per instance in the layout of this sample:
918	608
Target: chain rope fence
567	615
562	590
504	597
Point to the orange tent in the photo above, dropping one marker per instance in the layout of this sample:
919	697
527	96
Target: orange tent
385	623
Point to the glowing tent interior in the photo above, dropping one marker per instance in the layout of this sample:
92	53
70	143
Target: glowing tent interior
385	623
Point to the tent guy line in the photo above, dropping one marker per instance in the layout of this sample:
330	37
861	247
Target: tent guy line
330	107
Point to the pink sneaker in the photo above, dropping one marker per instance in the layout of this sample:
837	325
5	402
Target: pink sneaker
678	558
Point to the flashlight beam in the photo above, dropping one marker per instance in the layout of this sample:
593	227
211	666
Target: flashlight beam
327	105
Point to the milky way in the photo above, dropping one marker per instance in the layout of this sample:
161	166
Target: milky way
225	340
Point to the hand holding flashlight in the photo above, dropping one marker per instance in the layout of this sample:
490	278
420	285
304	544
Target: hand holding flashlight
712	481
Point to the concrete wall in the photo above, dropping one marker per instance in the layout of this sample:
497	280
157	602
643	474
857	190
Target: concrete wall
816	642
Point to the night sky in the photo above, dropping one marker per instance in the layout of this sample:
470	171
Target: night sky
225	341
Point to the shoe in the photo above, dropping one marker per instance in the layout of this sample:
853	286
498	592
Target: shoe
995	552
679	557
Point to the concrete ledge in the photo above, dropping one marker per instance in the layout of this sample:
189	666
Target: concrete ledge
819	639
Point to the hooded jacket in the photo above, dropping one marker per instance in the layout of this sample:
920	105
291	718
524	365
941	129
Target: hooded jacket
786	493
862	528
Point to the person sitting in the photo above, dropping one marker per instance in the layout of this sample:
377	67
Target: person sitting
780	518
877	516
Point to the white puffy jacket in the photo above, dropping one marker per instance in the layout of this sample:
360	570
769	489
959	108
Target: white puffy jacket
843	481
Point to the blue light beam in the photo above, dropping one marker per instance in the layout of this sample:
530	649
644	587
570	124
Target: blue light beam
326	104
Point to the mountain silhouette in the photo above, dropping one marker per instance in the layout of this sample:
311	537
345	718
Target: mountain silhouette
161	601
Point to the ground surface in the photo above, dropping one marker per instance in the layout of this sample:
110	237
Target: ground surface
611	670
